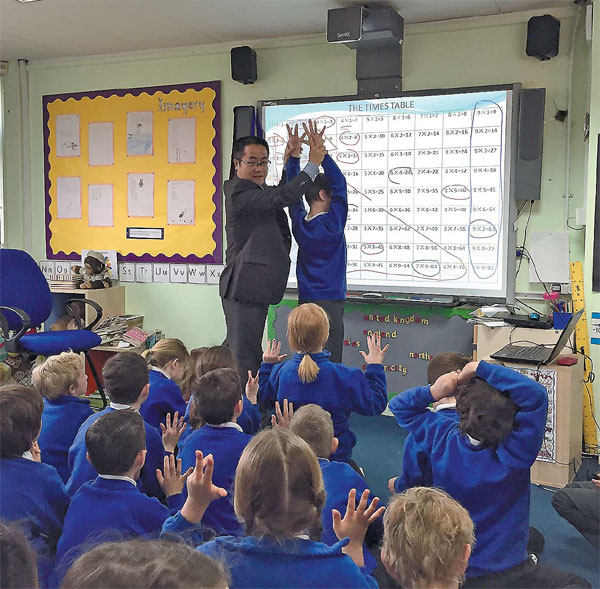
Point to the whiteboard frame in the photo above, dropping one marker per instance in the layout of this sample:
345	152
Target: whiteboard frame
459	295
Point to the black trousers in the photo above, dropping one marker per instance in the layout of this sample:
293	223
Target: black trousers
530	574
245	326
335	311
579	504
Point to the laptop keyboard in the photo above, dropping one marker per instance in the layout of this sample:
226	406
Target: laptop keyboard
526	352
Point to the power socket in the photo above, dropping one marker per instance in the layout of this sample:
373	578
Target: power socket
580	216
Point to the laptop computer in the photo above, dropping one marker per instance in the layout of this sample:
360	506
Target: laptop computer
537	354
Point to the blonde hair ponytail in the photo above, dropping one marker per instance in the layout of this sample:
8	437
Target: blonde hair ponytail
308	369
307	331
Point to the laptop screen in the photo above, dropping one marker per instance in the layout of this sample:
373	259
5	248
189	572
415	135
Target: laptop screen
565	335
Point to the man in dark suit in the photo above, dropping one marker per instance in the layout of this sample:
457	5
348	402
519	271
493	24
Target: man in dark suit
258	243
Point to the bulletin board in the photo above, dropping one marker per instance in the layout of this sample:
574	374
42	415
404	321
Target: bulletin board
414	334
135	170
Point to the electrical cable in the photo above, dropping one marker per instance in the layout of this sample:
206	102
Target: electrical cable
524	237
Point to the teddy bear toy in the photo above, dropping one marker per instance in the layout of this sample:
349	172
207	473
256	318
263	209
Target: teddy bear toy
93	273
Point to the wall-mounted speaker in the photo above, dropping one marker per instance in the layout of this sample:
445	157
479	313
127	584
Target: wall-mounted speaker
543	34
243	64
530	143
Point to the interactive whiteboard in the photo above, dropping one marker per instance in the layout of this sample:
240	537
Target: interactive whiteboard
429	185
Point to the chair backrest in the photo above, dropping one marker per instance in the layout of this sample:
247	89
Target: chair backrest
23	285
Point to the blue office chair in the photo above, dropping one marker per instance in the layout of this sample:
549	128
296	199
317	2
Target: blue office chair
25	302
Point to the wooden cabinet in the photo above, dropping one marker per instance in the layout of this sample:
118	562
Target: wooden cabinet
112	301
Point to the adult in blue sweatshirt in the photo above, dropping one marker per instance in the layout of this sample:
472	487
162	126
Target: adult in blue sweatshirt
339	389
31	492
319	233
112	506
490	481
61	420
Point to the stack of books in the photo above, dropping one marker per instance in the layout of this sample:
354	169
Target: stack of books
64	282
112	329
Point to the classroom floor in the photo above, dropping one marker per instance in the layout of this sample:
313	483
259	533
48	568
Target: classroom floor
379	452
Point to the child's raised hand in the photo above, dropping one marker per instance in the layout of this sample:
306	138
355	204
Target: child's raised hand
252	388
172	431
282	420
172	480
376	354
468	372
272	354
355	523
444	386
294	144
201	491
36	453
391	487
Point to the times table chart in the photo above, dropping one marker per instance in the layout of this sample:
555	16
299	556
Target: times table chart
426	180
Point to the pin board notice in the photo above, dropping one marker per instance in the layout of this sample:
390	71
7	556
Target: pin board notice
414	335
135	170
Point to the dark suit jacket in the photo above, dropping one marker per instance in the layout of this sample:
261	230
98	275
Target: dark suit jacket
258	239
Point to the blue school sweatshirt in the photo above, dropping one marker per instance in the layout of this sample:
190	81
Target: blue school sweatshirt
416	466
492	483
249	420
61	420
271	562
164	397
339	389
268	562
82	471
106	510
33	494
339	478
226	444
321	265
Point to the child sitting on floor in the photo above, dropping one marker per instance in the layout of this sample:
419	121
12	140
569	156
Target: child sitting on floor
125	377
279	496
313	424
145	563
168	360
61	380
309	376
427	540
18	563
416	468
30	492
217	401
483	462
112	505
222	357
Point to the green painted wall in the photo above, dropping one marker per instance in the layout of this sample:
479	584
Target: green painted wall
593	299
466	52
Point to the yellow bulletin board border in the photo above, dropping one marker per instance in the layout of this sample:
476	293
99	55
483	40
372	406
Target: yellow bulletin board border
138	239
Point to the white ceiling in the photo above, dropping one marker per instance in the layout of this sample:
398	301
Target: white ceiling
72	28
